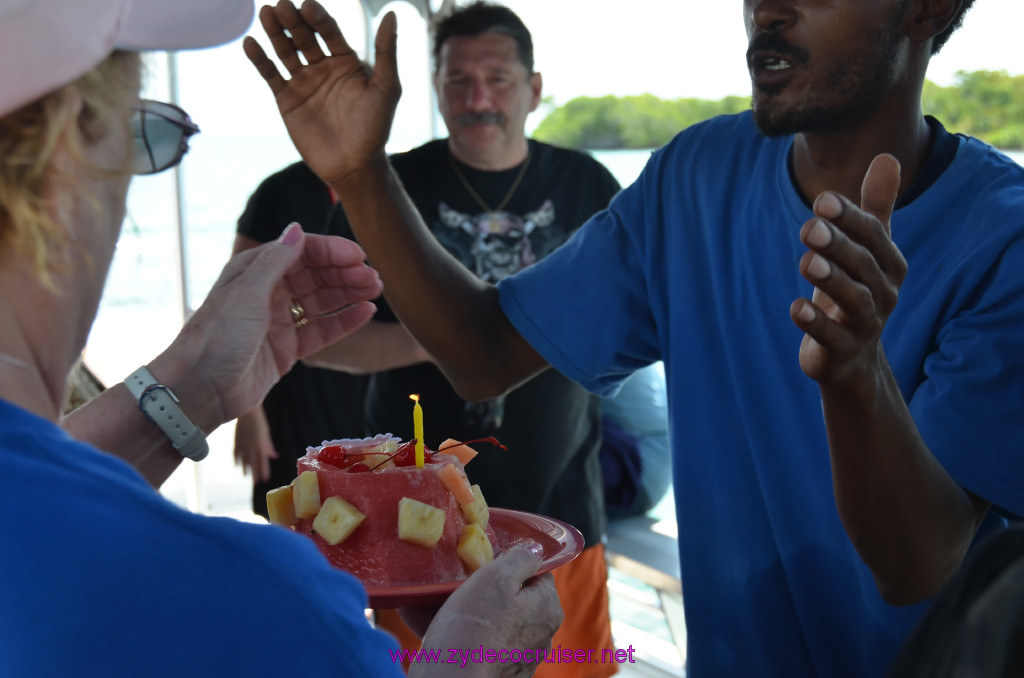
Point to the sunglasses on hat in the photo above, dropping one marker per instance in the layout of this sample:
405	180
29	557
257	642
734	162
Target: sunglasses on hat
161	133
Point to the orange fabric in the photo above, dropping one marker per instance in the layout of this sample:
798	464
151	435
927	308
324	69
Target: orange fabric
388	620
583	591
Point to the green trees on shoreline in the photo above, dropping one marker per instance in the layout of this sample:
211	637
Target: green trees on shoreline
985	104
643	121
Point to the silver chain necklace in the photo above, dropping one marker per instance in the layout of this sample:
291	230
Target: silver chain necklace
476	196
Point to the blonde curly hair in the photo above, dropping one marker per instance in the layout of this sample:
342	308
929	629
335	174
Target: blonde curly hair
28	139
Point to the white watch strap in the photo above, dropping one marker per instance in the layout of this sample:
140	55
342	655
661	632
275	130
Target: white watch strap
161	405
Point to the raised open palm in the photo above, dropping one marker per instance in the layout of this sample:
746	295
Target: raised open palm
337	110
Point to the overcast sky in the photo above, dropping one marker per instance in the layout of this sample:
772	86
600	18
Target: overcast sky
669	48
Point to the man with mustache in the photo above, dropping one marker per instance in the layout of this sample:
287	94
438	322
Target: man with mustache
816	516
498	202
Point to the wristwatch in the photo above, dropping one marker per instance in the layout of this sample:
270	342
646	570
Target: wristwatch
161	405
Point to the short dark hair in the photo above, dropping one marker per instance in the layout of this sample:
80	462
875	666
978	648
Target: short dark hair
483	17
942	37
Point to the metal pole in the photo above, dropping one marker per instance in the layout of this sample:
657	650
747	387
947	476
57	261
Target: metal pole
195	494
179	202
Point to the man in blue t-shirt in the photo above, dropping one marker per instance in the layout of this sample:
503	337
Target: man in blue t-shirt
753	252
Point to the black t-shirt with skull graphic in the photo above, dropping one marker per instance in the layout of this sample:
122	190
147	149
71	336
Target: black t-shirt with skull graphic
551	425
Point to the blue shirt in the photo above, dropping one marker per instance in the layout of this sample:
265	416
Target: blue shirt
101	576
696	264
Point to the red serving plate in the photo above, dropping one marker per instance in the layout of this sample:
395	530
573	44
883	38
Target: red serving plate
560	541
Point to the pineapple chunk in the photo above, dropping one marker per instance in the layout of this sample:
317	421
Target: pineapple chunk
336	520
474	547
455	480
281	506
306	494
419	523
387	448
477	511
